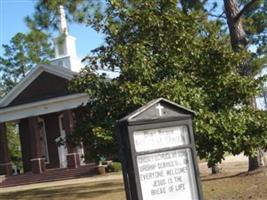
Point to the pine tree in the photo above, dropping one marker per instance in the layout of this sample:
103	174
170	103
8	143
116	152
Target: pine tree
240	40
23	53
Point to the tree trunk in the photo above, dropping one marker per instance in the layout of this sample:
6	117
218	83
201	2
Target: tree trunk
238	41
237	32
254	163
234	21
257	161
215	169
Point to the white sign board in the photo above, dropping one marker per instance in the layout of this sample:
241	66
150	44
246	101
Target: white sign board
167	175
153	139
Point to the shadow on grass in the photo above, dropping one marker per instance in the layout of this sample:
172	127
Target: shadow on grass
67	192
207	178
221	176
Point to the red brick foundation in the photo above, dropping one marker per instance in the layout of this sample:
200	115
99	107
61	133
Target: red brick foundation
73	160
38	165
6	169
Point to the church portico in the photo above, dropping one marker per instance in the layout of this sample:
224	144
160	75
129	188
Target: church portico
42	122
40	138
42	106
43	144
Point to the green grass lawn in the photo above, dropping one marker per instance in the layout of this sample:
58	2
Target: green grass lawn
220	187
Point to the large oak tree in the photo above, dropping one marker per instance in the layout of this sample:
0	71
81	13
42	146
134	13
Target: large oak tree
163	51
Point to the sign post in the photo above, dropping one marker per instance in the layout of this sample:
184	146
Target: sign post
158	153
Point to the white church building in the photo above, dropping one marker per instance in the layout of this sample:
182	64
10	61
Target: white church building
42	105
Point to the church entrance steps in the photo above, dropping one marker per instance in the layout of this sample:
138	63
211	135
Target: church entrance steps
49	175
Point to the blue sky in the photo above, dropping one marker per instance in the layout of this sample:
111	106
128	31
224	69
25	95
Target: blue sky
13	12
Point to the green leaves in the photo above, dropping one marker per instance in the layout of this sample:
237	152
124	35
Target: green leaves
163	52
14	144
23	53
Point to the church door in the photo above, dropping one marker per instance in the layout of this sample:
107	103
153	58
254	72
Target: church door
62	149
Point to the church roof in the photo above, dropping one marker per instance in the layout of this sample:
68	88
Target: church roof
33	75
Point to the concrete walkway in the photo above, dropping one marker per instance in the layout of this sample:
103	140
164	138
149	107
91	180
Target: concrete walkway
95	179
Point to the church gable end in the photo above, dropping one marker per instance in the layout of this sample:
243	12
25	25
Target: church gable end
45	86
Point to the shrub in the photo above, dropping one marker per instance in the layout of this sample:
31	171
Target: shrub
113	167
116	166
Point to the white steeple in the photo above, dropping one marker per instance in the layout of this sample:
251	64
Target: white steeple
63	29
65	46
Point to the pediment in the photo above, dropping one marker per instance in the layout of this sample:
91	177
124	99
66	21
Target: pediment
45	86
159	109
43	82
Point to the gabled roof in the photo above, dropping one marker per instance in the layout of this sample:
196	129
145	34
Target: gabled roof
150	111
31	76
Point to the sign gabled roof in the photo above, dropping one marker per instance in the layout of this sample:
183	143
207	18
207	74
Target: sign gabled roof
31	76
158	108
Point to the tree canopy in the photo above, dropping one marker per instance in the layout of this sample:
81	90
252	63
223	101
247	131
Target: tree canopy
23	53
163	51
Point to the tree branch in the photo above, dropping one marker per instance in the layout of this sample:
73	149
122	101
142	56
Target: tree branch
218	16
246	8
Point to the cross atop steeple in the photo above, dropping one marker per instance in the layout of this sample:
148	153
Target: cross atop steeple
62	21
